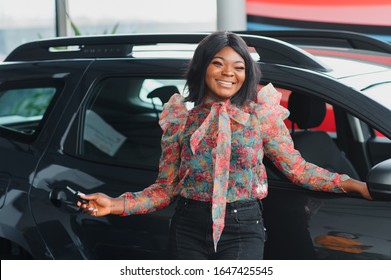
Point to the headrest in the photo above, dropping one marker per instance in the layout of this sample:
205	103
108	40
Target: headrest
163	93
306	111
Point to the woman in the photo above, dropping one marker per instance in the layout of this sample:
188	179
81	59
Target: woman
212	158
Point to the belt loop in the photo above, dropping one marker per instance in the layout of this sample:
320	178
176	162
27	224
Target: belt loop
260	204
183	201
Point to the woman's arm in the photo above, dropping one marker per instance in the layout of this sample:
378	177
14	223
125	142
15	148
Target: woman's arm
279	147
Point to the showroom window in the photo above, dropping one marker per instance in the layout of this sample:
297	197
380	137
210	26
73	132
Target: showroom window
90	17
25	21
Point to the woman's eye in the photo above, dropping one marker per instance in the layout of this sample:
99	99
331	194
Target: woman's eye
240	68
217	63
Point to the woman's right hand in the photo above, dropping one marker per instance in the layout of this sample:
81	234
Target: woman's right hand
100	204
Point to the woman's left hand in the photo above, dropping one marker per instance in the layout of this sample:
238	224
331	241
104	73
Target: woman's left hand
352	185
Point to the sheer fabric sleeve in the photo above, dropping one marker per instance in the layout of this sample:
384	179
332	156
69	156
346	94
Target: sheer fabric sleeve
279	147
160	194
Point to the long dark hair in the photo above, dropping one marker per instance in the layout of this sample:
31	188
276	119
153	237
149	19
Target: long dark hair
203	55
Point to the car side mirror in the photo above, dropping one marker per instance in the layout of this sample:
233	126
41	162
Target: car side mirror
379	181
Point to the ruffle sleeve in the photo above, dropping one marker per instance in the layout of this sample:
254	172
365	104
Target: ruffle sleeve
269	98
174	114
160	194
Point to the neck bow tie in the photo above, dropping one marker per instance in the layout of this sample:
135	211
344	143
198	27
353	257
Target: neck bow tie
225	112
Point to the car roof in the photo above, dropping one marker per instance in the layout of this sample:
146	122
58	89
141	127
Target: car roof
346	67
356	60
270	50
326	52
326	38
344	53
298	48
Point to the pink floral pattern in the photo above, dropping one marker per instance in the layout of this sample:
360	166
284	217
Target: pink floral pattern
214	153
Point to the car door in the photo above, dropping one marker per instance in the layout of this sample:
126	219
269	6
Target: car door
305	224
30	94
110	143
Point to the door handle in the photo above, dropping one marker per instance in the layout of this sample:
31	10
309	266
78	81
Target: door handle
62	198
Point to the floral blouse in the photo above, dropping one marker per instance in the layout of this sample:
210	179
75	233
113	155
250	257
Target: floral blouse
214	153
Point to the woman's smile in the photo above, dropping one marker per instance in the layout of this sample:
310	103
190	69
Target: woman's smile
225	83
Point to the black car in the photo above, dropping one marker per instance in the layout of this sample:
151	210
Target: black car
82	114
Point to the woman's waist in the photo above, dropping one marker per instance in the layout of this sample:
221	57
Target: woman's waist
203	191
242	203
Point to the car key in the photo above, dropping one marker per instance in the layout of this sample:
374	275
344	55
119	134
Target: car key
77	194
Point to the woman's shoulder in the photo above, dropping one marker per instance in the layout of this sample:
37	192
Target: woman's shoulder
174	112
268	103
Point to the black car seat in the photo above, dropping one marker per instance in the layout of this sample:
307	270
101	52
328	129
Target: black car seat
164	93
316	146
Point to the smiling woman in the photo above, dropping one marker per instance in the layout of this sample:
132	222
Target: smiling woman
212	158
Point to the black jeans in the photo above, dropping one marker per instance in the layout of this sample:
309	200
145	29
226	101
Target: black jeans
243	236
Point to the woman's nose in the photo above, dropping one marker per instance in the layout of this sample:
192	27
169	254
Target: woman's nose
227	71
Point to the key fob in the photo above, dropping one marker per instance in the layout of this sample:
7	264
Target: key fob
77	195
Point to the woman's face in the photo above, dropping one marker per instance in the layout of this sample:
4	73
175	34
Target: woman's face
225	74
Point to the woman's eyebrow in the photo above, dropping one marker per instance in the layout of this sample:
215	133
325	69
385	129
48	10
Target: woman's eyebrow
238	61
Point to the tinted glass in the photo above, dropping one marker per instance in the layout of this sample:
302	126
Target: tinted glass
22	109
121	120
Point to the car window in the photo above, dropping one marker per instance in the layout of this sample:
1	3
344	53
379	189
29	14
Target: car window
120	122
149	85
22	108
328	124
